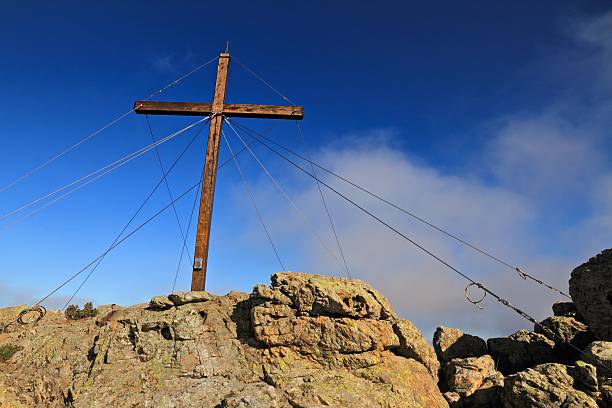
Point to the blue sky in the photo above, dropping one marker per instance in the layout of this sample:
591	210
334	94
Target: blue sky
490	119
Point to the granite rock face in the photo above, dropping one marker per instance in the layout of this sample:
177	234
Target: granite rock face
413	345
450	343
318	314
591	290
317	295
306	341
546	386
466	376
600	353
567	309
520	351
570	336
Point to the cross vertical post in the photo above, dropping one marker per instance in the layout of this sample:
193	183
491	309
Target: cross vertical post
217	110
198	276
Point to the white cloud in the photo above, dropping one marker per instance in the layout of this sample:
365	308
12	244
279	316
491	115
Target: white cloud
549	159
596	34
548	207
419	287
544	155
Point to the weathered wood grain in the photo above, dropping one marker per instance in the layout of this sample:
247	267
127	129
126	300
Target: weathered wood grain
238	110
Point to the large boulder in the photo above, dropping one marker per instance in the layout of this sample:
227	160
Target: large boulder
319	314
306	341
450	343
520	351
591	290
600	352
413	345
567	309
570	336
605	389
546	386
318	295
476	377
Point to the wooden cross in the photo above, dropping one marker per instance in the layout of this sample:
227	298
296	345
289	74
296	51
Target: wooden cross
217	111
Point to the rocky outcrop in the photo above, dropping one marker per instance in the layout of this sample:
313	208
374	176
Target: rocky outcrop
567	309
413	345
605	389
178	299
591	290
317	295
570	336
600	354
520	351
468	373
318	314
476	378
450	343
306	341
546	386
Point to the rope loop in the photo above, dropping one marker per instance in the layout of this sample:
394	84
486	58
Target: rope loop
478	301
39	309
5	327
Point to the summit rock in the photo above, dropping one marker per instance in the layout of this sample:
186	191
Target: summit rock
305	341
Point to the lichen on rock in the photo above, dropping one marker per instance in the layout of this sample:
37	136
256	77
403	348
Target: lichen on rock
520	351
304	341
590	286
544	386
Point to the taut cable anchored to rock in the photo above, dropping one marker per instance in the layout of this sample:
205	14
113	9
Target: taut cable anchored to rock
284	193
138	210
303	142
39	310
521	273
472	282
252	199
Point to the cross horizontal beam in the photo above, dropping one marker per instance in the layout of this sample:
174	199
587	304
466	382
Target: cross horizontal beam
239	110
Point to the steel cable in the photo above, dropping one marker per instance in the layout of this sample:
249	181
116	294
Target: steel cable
252	199
100	130
89	178
287	197
472	282
516	269
137	212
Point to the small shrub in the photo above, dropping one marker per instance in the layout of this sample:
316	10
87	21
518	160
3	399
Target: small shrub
7	351
307	387
73	312
88	310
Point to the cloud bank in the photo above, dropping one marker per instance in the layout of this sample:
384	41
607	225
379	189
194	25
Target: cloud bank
541	199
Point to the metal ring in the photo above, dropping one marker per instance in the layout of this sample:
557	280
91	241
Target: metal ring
41	310
475	302
6	326
521	273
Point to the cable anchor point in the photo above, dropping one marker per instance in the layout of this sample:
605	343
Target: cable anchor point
478	301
